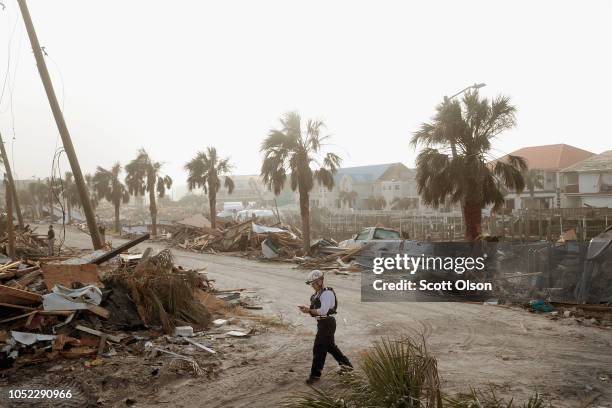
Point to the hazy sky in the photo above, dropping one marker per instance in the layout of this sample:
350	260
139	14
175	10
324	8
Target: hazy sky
177	76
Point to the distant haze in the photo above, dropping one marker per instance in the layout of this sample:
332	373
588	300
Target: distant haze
177	76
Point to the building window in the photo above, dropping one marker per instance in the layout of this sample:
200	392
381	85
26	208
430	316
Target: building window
397	186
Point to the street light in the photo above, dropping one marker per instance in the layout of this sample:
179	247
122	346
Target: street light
475	86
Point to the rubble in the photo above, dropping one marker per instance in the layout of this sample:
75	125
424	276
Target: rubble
245	236
28	244
75	308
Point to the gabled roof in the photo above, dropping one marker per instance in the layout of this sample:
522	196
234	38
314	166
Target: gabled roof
363	174
600	162
551	157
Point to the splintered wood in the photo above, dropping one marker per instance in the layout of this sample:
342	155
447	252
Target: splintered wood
241	237
336	260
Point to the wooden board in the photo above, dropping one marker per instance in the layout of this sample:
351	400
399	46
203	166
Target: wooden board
17	296
65	275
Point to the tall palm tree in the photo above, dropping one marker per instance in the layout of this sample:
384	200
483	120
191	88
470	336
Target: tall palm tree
93	194
28	202
348	198
204	171
533	180
107	184
289	152
467	176
40	194
31	189
144	175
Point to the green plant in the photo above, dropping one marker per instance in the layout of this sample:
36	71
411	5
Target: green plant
108	186
144	176
399	373
290	153
204	171
455	164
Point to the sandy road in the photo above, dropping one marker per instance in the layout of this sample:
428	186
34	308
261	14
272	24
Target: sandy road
476	345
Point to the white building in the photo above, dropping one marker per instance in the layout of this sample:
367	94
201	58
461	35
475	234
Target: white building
588	183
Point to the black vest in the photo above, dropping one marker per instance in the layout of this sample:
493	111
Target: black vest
315	301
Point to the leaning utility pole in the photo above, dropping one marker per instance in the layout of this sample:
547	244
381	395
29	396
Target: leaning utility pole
61	126
11	181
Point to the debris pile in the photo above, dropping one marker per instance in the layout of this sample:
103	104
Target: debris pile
72	309
164	293
333	258
28	244
246	236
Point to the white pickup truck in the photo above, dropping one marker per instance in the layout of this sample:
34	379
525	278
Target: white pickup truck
371	234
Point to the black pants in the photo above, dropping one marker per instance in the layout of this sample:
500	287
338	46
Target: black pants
323	344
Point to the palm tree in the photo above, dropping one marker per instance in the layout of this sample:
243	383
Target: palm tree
143	175
533	179
348	198
93	194
70	194
467	177
108	186
289	152
204	171
40	194
28	202
91	190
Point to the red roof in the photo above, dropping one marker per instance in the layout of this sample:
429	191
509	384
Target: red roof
551	157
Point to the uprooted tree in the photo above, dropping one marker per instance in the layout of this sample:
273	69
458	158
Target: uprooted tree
289	153
455	163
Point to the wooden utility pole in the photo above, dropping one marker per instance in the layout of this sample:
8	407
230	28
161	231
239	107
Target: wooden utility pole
9	220
11	182
62	128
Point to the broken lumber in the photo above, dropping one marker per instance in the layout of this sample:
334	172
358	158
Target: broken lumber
111	254
23	295
97	333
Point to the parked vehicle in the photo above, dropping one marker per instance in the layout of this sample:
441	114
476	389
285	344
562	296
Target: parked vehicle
370	234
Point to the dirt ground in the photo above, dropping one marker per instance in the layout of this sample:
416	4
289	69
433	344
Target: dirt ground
510	349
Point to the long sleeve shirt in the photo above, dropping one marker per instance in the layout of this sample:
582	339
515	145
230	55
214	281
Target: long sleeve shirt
327	302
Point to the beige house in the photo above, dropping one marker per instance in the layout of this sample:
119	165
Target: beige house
364	187
548	161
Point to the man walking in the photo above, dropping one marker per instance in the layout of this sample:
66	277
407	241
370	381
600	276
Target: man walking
51	239
323	305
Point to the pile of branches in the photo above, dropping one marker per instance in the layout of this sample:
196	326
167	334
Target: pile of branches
164	295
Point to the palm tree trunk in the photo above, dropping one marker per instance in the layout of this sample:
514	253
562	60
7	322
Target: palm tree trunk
153	210
212	203
472	212
305	213
117	225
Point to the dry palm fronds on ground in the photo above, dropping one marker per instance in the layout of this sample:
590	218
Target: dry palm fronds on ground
164	294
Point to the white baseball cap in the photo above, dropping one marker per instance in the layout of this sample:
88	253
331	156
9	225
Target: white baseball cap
314	275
